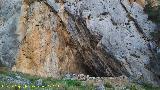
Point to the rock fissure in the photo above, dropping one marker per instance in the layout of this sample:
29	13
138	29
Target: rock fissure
139	29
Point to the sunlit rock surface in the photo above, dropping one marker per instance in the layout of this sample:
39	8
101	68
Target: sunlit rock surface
95	37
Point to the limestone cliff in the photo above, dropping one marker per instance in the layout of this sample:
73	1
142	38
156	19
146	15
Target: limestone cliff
95	37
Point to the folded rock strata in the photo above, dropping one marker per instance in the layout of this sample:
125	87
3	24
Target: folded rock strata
95	37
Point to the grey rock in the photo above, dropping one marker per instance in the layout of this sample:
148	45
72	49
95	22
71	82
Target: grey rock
9	79
106	37
67	77
100	87
39	82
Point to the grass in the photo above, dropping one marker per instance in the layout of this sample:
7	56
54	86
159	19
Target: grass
59	84
133	87
48	83
150	87
108	85
56	85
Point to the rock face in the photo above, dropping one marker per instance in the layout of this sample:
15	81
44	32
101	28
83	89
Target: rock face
141	2
95	37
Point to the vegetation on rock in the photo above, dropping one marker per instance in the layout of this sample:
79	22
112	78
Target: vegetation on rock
58	84
154	15
153	11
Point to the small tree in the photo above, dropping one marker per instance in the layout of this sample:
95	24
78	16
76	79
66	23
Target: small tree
153	11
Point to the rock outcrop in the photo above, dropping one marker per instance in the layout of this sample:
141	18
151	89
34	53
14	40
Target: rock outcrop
95	37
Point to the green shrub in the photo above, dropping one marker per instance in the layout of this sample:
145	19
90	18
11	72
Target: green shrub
154	15
150	87
153	11
1	64
133	87
73	83
108	85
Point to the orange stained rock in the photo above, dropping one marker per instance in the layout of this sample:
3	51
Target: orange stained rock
141	2
35	54
36	48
